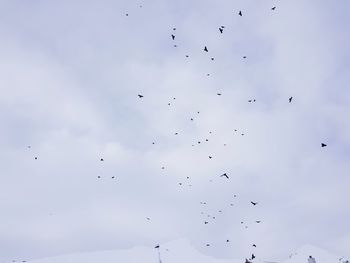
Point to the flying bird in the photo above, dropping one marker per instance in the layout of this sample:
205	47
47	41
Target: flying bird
157	246
140	96
173	37
323	145
101	159
254	203
219	94
205	49
290	99
240	13
253	256
258	221
224	175
273	8
221	30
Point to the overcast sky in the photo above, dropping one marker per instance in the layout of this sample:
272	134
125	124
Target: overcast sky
70	73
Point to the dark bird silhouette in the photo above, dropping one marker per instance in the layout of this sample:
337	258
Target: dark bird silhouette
253	256
36	158
157	246
212	59
205	49
273	8
187	56
113	177
219	94
254	245
240	13
101	159
247	261
227	240
254	203
173	37
208	245
140	96
148	218
210	157
206	222
224	175
174	28
290	99
323	145
221	30
244	57
258	221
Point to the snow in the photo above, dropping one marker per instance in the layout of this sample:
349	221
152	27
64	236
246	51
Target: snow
179	251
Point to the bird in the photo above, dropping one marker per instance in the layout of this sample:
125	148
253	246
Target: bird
244	57
273	8
221	30
323	145
290	99
173	37
253	256
36	158
253	203
210	157
206	222
258	221
240	13
205	49
254	245
207	245
148	218
127	14
98	176
101	159
227	240
224	175
113	177
212	59
157	246
187	56
219	94
247	261
174	28
140	96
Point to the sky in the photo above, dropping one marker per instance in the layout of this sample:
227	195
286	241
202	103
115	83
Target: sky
71	72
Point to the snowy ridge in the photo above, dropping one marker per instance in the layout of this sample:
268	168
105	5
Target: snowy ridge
179	251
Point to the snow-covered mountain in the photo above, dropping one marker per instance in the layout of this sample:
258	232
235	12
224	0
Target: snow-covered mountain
175	252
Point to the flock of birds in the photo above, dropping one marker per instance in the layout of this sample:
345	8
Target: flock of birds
224	175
